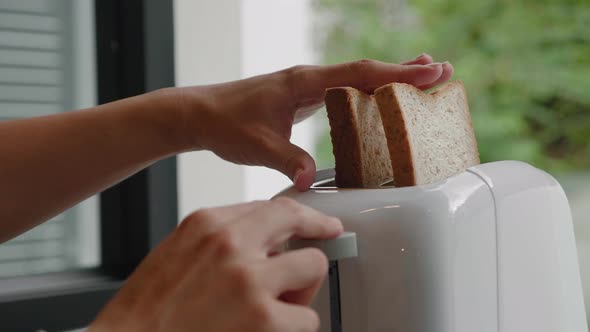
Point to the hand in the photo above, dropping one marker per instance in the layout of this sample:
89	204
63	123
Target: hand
249	121
217	272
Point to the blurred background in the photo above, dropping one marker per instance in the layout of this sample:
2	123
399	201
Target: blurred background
525	65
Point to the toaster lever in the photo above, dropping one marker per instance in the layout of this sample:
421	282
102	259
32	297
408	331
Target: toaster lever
344	246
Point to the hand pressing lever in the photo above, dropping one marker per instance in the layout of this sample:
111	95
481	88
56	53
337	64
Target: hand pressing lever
215	274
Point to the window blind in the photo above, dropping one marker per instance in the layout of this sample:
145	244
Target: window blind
35	79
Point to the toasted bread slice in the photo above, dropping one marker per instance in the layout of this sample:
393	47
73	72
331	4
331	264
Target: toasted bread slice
358	140
429	135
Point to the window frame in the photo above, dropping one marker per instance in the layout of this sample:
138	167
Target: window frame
135	54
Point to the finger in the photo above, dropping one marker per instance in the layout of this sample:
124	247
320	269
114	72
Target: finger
296	275
273	224
422	59
411	74
205	221
308	109
305	296
224	213
445	76
296	318
309	82
280	154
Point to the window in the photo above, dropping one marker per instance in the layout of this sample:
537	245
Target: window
47	66
48	52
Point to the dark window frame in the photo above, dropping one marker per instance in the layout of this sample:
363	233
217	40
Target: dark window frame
135	54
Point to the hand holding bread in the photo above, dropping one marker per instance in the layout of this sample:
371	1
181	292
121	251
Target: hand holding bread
249	121
400	134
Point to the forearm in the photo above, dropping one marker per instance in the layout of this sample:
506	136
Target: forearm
48	164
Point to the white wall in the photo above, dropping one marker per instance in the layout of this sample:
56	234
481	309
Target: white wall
207	50
225	40
275	35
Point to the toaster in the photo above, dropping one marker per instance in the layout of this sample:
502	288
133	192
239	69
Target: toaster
490	250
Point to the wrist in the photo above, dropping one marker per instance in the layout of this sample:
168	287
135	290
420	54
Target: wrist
167	118
186	118
166	112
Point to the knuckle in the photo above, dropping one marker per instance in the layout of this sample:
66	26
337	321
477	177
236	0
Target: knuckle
289	204
262	316
295	71
313	319
296	210
200	216
184	227
360	69
319	259
363	64
242	278
225	241
195	221
294	68
294	77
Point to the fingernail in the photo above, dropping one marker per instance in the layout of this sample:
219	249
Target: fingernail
298	173
421	55
435	65
336	222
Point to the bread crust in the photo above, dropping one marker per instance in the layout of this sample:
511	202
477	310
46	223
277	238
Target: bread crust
345	137
398	142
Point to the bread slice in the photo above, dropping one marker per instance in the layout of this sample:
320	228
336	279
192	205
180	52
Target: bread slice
429	135
358	140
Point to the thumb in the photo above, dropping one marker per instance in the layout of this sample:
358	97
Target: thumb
292	161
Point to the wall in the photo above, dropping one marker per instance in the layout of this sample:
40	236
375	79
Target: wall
207	50
226	40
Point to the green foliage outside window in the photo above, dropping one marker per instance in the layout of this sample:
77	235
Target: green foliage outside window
525	65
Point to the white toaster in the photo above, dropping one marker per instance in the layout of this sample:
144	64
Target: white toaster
490	249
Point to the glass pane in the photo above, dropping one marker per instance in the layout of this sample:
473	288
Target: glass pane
525	65
47	65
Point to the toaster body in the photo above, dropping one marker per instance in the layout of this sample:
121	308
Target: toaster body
491	249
